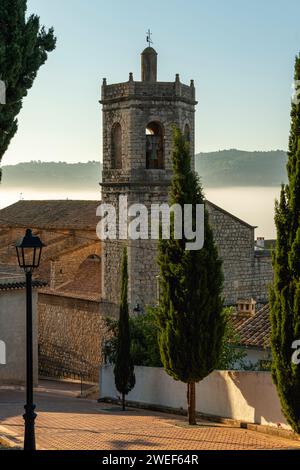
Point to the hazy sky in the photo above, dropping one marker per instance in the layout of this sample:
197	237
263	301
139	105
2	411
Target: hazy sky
239	52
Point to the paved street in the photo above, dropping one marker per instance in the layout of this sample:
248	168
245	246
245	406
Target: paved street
67	422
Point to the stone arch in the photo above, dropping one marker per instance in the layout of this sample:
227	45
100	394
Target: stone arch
116	146
91	268
94	257
64	268
154	146
88	277
187	133
2	353
2	92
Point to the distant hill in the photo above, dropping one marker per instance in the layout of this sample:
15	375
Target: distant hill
223	168
240	168
51	175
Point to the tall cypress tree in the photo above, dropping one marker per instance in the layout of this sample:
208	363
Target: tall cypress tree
285	292
24	45
190	313
124	367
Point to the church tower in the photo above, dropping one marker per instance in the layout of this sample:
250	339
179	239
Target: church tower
138	117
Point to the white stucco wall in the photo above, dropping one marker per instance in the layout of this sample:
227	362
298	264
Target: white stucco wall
13	334
253	356
245	396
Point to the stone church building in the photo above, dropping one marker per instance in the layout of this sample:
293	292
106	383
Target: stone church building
138	117
82	272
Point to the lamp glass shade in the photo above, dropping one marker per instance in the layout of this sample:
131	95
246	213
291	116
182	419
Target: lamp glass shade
29	251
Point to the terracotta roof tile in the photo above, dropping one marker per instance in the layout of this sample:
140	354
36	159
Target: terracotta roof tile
63	214
72	295
256	330
5	286
67	214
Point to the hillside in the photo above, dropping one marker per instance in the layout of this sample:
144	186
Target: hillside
52	175
240	168
217	169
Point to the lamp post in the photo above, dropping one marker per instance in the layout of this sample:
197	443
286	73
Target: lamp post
29	251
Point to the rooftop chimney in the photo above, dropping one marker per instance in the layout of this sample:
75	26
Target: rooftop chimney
260	242
246	308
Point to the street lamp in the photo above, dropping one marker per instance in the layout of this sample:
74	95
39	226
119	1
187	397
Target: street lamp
138	309
29	251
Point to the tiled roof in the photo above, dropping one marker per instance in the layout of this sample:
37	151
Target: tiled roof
87	281
237	321
63	214
51	214
5	286
256	330
72	295
10	273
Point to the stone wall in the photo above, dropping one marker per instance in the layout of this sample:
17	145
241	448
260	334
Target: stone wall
71	332
246	273
134	118
140	90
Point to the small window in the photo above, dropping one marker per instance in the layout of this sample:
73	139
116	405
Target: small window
116	147
154	146
187	133
2	353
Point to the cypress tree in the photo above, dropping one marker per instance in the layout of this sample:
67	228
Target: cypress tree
24	45
124	367
190	315
285	291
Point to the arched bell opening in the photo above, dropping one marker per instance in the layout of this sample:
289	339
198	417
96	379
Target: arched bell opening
187	133
116	147
154	146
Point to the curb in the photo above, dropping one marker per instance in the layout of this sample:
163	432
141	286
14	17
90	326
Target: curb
4	442
10	440
285	433
271	431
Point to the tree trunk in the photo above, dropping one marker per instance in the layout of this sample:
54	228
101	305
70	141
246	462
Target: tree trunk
191	395
188	395
123	401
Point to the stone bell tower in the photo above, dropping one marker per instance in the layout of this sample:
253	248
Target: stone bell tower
138	117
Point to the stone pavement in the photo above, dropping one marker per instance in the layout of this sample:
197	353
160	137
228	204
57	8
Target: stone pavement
65	422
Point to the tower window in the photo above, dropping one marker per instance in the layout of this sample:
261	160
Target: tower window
116	147
187	133
154	146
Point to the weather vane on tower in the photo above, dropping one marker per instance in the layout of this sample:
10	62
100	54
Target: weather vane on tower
149	40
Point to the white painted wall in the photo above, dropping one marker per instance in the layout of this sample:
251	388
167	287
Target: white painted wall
254	355
13	335
245	396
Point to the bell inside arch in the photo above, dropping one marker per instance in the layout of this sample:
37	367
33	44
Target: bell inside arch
154	146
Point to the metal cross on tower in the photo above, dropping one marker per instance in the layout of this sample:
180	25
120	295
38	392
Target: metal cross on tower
149	40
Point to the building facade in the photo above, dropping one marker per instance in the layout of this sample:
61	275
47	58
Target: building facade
13	330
